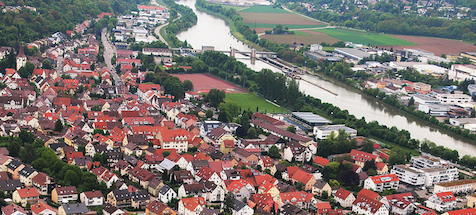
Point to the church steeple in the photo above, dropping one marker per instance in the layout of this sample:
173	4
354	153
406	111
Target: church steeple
21	58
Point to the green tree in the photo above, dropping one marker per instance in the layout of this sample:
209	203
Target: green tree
173	203
367	146
46	64
252	133
215	97
229	203
82	149
324	194
71	178
187	85
300	186
274	152
58	126
26	70
291	129
96	108
209	113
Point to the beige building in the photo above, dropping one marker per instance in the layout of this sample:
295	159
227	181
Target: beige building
26	195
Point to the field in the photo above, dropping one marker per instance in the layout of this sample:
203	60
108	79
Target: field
237	8
278	18
436	45
251	101
203	83
365	38
305	37
270	26
263	9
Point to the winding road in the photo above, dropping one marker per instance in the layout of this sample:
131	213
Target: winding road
157	30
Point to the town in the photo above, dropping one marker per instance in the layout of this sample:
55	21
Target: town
109	119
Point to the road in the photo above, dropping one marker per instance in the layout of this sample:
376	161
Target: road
109	51
157	30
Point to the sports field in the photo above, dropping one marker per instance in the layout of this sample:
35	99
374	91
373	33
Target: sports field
203	83
364	38
249	101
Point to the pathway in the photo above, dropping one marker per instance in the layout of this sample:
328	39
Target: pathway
157	30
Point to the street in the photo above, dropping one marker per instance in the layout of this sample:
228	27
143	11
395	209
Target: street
109	51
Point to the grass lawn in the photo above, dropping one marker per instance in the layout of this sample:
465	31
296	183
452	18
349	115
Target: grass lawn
365	38
271	25
263	9
251	101
328	49
237	8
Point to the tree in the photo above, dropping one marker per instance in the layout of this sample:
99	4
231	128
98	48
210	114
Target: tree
173	203
46	64
229	203
411	102
71	178
349	178
367	146
300	186
215	97
291	129
252	133
58	126
274	152
368	165
209	113
324	194
26	70
82	149
96	108
187	85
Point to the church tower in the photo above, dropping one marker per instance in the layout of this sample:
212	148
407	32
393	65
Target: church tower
21	58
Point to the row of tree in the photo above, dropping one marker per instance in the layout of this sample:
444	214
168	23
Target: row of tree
187	20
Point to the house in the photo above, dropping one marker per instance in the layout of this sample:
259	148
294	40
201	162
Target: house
227	146
301	199
382	168
41	208
297	152
218	135
10	185
208	190
108	209
367	206
344	197
191	206
269	187
382	182
471	201
467	211
401	203
158	208
320	187
360	157
13	209
139	199
263	201
369	194
241	208
183	177
166	194
245	156
444	201
26	175
207	174
63	195
43	183
323	208
239	188
290	209
92	198
26	196
322	162
73	209
177	139
119	198
456	187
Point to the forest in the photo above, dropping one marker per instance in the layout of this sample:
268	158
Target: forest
53	16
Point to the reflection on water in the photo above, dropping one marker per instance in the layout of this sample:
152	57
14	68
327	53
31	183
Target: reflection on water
213	31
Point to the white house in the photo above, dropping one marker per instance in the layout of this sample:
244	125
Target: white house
325	131
166	193
382	182
92	198
344	197
367	206
298	152
242	208
401	203
191	206
456	187
442	202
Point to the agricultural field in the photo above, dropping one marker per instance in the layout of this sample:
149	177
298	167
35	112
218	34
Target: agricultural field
364	38
251	101
237	8
301	37
436	45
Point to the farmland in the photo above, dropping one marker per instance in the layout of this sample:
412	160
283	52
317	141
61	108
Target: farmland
203	83
305	37
249	101
263	9
360	37
436	45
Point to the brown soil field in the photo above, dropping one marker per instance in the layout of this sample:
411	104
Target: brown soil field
436	45
262	30
315	37
277	18
203	83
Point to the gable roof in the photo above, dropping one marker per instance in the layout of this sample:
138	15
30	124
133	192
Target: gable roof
28	192
446	196
368	193
321	161
193	202
342	193
370	205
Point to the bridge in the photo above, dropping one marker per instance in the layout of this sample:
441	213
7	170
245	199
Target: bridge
253	54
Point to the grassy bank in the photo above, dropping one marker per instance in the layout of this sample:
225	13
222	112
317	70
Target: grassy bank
250	101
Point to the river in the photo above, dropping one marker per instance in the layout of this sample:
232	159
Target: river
213	31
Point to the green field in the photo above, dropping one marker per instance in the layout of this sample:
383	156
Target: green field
290	26
263	9
365	38
251	101
328	49
237	8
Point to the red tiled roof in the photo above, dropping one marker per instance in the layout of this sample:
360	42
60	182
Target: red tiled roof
342	193
93	194
193	202
467	211
321	161
28	192
39	207
368	193
446	196
362	156
302	176
384	178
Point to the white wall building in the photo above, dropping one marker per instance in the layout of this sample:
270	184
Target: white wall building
382	182
323	132
456	187
409	175
421	162
447	98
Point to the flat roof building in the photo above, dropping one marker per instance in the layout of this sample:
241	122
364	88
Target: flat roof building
310	118
351	53
323	132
